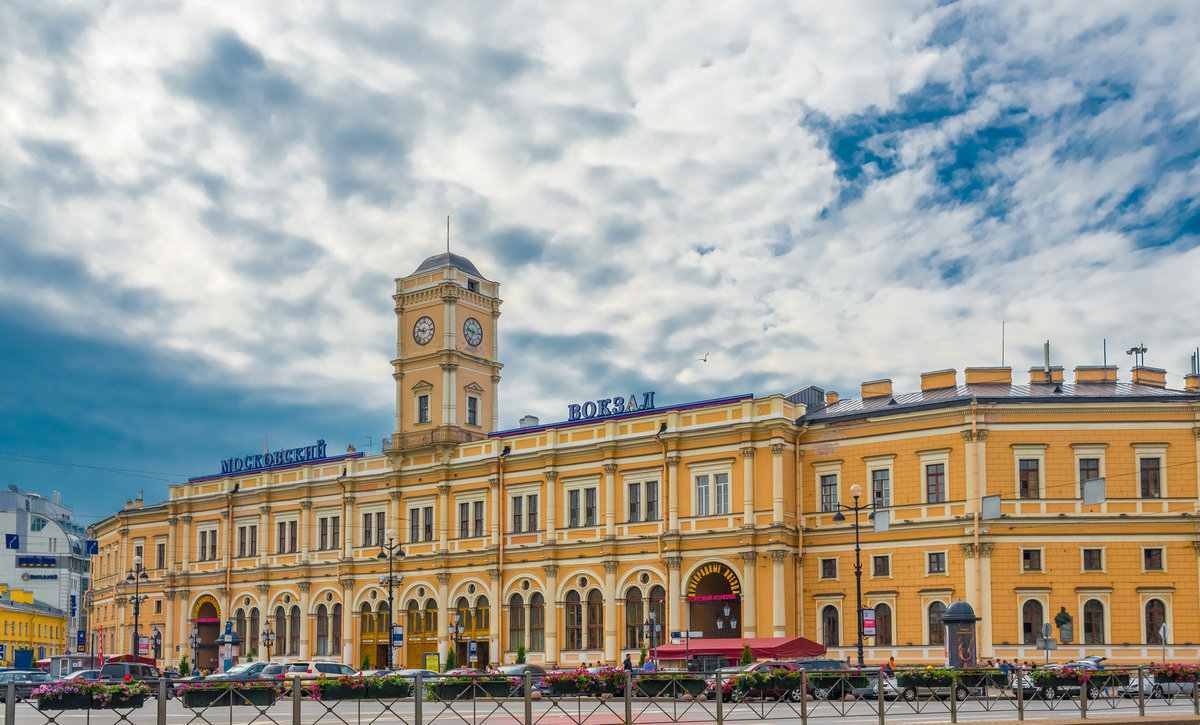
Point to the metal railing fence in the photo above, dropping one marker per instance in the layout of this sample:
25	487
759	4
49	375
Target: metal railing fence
618	697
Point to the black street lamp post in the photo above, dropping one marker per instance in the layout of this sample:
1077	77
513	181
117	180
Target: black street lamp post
391	552
856	494
268	638
136	577
194	641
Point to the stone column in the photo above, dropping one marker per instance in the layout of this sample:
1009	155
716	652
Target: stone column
610	500
348	513
169	627
673	492
443	516
183	628
347	623
552	611
551	497
778	593
748	487
305	529
675	598
494	622
985	600
264	535
610	612
494	488
777	483
186	544
443	613
449	394
495	395
395	517
305	623
172	541
749	594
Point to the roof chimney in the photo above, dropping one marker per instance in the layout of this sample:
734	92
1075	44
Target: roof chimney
831	397
1095	374
939	380
877	388
1039	375
527	421
993	376
1153	377
1191	383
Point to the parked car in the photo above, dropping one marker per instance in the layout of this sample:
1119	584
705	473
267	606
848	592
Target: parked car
1150	688
138	672
316	670
240	673
24	680
537	678
891	690
729	674
426	674
89	675
273	671
827	679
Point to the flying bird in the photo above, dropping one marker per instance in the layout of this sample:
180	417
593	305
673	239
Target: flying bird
703	359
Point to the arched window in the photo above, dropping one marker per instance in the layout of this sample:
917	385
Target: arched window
657	615
883	625
634	632
1031	621
322	630
240	625
414	617
830	629
366	619
281	638
254	630
516	622
431	617
573	612
1156	615
595	620
1093	622
483	614
294	631
937	631
537	623
335	643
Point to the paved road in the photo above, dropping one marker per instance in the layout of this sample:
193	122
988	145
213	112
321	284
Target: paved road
594	712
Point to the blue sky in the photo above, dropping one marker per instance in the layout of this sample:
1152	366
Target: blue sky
202	207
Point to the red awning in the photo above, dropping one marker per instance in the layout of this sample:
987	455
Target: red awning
131	658
760	648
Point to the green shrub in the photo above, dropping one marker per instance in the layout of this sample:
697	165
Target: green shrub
184	668
747	657
521	655
451	662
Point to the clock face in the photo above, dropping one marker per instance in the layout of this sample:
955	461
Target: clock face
423	330
473	331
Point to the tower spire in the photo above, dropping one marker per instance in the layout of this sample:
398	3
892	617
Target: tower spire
447	234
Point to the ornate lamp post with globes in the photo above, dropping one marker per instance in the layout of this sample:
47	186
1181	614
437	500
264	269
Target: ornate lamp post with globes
136	577
390	552
856	494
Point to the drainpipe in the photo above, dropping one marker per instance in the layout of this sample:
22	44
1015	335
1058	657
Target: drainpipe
978	503
663	488
229	547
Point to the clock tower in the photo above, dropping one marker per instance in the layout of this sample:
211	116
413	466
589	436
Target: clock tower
446	370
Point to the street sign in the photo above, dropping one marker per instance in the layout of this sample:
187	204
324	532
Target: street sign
676	634
397	635
3	651
92	547
81	639
143	645
695	634
12	541
473	651
868	615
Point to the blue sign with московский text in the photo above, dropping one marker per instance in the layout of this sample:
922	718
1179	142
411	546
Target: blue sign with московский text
606	407
282	457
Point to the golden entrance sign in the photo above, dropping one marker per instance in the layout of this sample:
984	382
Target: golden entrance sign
735	587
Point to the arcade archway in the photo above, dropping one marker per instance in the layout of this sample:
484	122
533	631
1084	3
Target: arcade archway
206	621
714	595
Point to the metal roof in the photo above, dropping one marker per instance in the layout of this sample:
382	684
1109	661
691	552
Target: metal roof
446	259
852	408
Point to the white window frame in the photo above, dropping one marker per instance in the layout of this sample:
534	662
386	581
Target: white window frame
581	485
830	468
1150	450
837	569
928	600
1162	548
163	540
523	492
1041	559
472	399
640	479
930	458
248	523
371	509
1042	598
711	471
285	519
211	530
1101	595
1103	560
881	463
889	575
945	558
1090	450
329	514
1164	595
420	504
469	499
1028	452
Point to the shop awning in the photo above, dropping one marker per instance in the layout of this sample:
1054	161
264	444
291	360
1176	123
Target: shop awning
760	648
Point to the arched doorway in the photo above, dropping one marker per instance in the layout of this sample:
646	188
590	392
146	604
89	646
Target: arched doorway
714	596
206	620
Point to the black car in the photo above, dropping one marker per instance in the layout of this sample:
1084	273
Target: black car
537	678
25	680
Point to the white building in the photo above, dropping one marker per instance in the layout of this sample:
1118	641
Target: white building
48	555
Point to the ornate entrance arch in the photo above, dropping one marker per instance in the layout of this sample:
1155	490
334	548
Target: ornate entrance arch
206	621
714	595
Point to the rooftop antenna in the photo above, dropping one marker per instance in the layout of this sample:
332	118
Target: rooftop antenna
447	234
1046	367
1105	352
1002	324
1139	354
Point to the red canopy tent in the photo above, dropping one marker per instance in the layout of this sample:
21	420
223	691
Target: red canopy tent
131	658
760	648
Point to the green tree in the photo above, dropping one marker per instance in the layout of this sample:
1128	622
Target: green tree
450	661
521	655
366	662
184	668
642	658
747	657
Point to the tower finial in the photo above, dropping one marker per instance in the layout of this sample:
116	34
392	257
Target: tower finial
447	234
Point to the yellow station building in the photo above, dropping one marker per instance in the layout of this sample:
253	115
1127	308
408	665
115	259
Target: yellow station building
569	538
27	624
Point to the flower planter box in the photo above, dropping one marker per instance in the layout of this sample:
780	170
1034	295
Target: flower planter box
226	696
85	701
343	692
390	690
652	686
448	691
906	680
